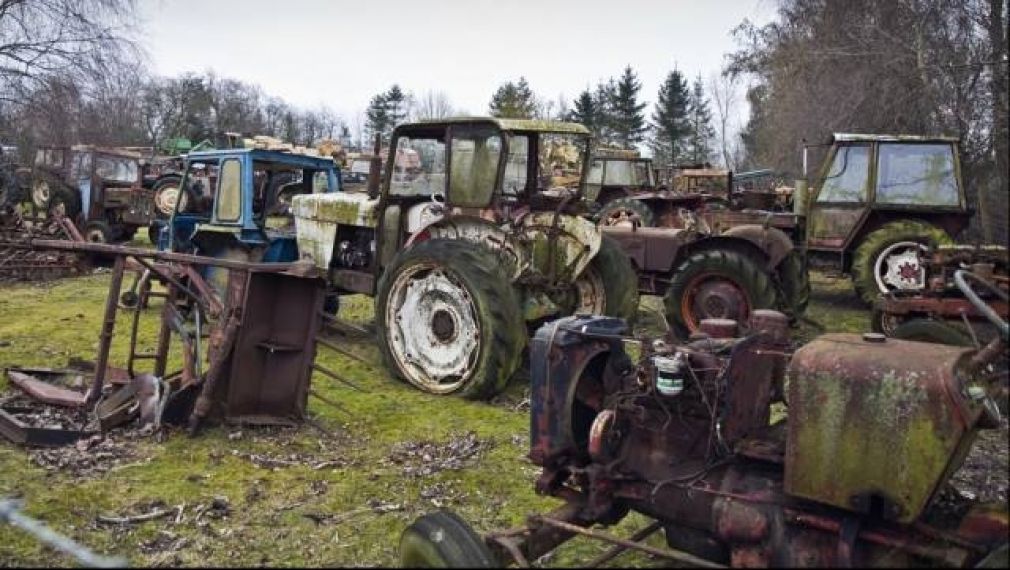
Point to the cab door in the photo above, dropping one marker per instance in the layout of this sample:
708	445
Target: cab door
841	199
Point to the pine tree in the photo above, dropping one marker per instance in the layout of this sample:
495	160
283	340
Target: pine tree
587	112
606	92
701	135
397	103
377	117
513	100
628	120
670	119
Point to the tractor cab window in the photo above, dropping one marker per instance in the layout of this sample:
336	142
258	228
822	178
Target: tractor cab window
49	157
419	167
846	179
476	152
229	192
562	157
920	174
80	165
517	167
116	168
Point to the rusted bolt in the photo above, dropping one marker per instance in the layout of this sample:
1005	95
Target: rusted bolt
874	337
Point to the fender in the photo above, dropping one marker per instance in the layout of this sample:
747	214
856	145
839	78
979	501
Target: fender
772	241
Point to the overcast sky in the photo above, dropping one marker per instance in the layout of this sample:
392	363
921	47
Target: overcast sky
339	54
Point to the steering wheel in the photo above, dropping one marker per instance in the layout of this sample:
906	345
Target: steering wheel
960	280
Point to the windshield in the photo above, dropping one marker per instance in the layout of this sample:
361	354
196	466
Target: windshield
920	174
115	168
562	158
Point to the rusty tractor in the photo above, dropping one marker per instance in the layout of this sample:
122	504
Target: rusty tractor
99	189
468	246
854	477
878	204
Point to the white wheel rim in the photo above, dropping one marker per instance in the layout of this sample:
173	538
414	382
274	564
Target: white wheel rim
431	323
40	194
166	198
899	267
619	218
591	292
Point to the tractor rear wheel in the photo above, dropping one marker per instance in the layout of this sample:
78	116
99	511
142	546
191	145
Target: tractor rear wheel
448	319
49	193
794	281
623	211
890	258
168	191
716	284
609	285
443	540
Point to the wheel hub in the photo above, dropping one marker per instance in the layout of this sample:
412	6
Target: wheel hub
900	267
717	299
591	293
433	329
166	198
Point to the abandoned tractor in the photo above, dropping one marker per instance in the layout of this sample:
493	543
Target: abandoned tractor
235	204
856	475
100	190
702	274
879	203
468	246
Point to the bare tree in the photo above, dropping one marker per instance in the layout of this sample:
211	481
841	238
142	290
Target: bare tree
433	105
40	38
724	89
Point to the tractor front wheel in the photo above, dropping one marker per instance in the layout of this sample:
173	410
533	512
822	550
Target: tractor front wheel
443	540
448	319
609	285
168	191
626	212
716	284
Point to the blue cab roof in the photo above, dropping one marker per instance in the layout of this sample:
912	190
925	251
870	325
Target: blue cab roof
272	156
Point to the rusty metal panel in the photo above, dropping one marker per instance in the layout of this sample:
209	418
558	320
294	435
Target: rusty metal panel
873	423
271	364
44	391
650	249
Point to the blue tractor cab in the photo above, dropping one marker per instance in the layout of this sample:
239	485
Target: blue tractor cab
235	203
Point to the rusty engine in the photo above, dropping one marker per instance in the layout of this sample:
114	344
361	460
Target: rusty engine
682	434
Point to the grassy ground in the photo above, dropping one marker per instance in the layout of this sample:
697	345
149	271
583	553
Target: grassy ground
288	497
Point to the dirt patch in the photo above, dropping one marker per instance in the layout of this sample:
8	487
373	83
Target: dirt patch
90	457
424	458
983	476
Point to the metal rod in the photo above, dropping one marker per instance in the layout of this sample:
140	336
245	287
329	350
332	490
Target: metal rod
108	326
336	377
332	345
9	513
661	552
329	401
618	549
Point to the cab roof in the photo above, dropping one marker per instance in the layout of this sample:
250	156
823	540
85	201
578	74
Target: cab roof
509	124
851	137
271	156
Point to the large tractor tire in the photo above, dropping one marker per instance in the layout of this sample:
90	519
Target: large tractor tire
49	193
794	283
443	540
448	319
168	191
624	211
716	284
98	232
889	258
928	330
609	285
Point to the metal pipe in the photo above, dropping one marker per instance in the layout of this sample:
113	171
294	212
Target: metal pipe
661	552
618	549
